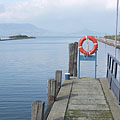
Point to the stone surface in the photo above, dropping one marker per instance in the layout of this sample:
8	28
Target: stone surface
114	106
87	102
82	99
59	107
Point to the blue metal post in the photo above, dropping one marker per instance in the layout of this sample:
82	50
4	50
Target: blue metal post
95	64
79	64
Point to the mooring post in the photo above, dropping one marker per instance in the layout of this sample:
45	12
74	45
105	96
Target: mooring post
58	78
51	95
71	59
75	58
37	110
51	91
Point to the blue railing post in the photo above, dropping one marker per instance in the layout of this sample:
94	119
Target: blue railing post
113	80
95	64
107	64
79	64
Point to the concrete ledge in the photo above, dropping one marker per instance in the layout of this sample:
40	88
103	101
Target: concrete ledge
59	107
113	103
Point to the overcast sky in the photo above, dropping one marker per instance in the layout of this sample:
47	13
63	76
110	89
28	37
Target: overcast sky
62	15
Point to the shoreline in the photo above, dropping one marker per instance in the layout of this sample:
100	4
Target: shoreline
7	39
111	43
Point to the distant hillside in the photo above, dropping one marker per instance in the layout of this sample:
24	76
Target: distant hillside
9	29
87	32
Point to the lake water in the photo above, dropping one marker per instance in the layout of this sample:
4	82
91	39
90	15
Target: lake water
26	65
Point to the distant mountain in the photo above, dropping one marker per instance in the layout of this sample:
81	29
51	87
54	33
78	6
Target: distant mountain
8	29
87	32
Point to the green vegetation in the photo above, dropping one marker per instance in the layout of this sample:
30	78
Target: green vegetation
20	37
17	37
112	37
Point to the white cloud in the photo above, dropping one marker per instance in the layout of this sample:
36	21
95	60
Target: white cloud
107	4
23	10
68	3
111	4
27	9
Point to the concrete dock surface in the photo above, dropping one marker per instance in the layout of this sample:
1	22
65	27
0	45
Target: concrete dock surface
85	99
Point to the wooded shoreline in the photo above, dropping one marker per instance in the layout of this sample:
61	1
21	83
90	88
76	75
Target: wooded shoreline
17	37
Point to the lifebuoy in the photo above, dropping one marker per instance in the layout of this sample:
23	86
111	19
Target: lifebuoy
81	42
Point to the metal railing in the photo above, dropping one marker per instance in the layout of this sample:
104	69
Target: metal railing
113	75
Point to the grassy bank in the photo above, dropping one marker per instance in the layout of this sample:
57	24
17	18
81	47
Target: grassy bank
112	37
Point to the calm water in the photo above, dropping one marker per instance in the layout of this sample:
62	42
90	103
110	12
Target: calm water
25	67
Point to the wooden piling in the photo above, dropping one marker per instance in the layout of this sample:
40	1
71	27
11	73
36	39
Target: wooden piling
73	51
58	78
75	58
51	95
37	110
71	58
51	91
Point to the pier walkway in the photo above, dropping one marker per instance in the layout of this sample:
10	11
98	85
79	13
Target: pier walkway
84	99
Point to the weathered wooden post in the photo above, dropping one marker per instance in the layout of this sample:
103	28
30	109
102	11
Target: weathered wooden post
75	58
51	95
71	58
51	91
73	51
37	110
58	78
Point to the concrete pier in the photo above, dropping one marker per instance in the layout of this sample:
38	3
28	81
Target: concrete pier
87	101
84	99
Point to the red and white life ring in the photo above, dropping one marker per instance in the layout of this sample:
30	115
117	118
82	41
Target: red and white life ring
81	42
